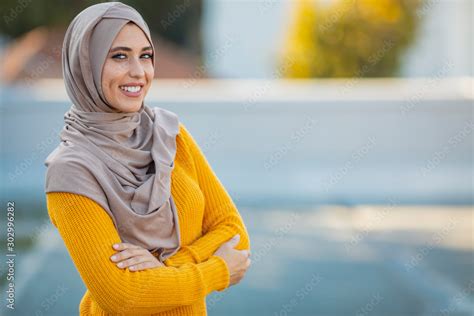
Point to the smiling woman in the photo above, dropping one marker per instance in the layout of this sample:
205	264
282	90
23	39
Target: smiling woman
147	223
128	70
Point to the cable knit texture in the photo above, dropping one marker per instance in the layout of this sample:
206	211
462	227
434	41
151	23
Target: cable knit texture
207	216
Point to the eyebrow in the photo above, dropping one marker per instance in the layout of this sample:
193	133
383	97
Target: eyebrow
127	49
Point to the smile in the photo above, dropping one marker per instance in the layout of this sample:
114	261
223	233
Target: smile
131	91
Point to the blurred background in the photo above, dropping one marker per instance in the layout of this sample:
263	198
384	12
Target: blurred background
343	130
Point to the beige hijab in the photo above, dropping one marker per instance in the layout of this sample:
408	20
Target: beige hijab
123	161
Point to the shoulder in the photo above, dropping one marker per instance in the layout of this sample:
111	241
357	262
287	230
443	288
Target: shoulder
64	162
70	186
69	171
183	129
190	144
69	201
189	153
68	156
166	120
187	137
68	208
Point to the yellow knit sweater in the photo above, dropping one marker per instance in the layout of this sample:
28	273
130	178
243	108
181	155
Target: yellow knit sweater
207	217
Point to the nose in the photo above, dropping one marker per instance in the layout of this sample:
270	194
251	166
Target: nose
136	68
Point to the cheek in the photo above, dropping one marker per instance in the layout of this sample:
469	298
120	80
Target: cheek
150	74
111	75
149	71
106	80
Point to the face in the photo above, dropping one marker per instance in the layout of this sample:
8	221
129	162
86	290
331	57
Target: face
128	69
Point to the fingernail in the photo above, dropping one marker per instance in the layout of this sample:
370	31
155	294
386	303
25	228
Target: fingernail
116	246
120	264
113	257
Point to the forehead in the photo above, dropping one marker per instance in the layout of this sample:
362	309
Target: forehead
131	36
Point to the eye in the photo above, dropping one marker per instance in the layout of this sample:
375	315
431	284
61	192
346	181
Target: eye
147	55
119	56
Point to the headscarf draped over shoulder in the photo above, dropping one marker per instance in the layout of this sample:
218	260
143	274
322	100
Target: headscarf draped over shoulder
122	161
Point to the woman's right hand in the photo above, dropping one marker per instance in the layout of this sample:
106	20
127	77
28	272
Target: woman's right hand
238	261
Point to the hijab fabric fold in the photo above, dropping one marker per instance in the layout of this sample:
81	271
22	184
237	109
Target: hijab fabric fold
122	161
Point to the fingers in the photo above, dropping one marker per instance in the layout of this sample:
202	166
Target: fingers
243	271
234	241
248	263
132	261
144	266
127	251
133	257
125	245
136	263
246	252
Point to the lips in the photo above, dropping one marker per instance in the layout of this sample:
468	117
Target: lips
132	89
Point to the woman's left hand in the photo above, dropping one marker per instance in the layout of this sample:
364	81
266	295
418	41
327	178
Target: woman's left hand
134	257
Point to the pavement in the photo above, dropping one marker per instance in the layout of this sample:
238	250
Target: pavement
326	260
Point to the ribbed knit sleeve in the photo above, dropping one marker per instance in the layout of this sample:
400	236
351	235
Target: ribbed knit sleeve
221	217
89	233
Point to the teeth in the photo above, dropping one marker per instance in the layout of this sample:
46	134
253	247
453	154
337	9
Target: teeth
131	89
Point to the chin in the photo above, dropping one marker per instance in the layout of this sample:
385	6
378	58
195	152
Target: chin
129	106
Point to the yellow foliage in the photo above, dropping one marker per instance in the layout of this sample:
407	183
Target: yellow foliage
300	44
349	38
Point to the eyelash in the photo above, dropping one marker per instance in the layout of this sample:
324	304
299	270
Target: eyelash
116	56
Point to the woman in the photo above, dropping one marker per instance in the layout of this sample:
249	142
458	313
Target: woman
145	219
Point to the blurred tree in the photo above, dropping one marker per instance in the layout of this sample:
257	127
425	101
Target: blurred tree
176	21
301	46
349	38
